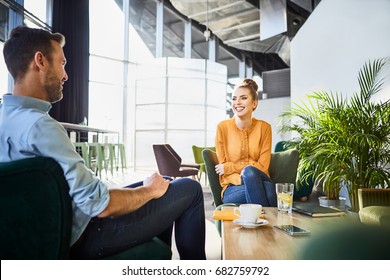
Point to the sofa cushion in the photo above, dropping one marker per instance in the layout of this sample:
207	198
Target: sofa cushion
375	215
283	166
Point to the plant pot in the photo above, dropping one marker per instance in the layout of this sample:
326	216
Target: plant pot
337	203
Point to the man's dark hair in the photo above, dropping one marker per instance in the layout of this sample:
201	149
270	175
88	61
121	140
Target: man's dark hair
24	42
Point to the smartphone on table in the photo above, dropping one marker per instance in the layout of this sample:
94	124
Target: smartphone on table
292	230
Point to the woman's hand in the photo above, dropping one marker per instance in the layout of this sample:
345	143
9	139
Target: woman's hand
219	169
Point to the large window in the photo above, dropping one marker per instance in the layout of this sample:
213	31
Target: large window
149	100
3	22
3	73
115	47
4	30
178	101
38	13
33	13
106	65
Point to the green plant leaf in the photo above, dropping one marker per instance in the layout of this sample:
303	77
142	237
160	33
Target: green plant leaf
344	141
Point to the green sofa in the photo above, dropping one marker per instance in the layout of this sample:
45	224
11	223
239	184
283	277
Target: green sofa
36	214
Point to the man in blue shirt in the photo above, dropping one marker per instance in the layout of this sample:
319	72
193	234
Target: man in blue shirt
105	221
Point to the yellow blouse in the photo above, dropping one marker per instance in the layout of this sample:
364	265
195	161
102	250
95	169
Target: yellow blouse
238	148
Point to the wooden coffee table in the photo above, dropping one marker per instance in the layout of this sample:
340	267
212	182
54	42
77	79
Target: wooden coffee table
267	243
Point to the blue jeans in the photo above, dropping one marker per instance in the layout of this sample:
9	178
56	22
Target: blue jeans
182	205
257	188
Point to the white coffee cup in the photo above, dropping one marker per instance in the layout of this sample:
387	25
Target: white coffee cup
248	213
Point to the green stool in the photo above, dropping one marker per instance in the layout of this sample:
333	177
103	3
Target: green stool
96	153
105	156
109	157
120	155
82	149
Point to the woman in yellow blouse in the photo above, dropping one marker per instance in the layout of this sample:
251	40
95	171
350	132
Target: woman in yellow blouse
243	145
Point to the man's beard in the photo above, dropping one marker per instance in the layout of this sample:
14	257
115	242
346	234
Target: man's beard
53	87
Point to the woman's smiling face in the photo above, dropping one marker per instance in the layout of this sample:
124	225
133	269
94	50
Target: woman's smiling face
243	103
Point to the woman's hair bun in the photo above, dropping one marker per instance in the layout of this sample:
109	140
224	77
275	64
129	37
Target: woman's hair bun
251	83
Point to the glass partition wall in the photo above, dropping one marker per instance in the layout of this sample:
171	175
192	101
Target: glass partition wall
165	100
150	100
177	101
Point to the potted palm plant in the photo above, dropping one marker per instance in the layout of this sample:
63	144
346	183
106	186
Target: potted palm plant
344	142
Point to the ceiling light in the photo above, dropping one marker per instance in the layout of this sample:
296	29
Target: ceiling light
207	32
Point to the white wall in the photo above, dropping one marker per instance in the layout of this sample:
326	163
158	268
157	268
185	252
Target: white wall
269	111
328	51
335	42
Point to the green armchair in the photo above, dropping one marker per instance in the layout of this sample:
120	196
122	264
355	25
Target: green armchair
197	151
36	214
302	188
283	168
374	206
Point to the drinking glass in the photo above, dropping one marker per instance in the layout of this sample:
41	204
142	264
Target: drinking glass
285	192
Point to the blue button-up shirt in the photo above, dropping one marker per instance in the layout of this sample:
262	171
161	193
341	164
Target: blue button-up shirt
27	130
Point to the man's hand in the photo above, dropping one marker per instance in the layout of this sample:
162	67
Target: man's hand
126	200
157	184
219	169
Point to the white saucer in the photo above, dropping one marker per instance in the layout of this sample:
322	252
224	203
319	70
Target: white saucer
259	223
